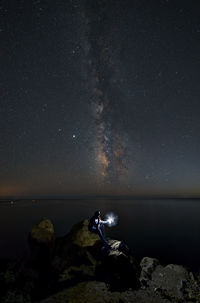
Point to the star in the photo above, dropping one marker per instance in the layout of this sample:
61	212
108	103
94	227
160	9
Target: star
44	107
74	136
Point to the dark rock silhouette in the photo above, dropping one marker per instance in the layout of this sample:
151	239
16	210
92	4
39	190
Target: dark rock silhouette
42	245
171	281
73	249
118	268
147	265
80	255
77	268
41	242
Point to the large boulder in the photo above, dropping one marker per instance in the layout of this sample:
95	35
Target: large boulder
81	236
77	268
42	232
118	268
74	248
81	255
41	243
98	292
172	282
147	265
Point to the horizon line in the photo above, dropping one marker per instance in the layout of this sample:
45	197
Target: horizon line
151	196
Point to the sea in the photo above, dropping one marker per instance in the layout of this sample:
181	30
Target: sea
166	229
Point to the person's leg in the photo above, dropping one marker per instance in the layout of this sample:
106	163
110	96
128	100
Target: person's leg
103	230
103	239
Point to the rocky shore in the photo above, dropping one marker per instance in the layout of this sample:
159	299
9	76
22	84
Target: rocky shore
77	269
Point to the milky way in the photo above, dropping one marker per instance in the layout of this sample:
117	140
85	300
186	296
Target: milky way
105	91
99	97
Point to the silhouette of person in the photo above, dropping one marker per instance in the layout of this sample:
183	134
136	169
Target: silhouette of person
96	225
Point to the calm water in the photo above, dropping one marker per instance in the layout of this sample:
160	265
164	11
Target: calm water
165	229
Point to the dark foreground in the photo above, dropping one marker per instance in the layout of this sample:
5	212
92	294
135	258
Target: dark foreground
76	268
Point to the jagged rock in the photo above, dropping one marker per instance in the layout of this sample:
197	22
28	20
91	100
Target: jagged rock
41	237
119	245
118	268
41	243
174	282
43	232
169	279
147	265
74	248
98	292
80	254
81	236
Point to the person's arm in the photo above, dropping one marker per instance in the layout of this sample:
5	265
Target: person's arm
104	222
96	223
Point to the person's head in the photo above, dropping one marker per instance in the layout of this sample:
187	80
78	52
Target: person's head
97	214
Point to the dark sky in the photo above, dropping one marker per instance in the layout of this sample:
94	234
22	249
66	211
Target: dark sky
99	97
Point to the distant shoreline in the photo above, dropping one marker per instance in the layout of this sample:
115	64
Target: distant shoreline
97	198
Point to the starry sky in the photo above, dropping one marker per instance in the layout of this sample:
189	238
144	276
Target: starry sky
99	97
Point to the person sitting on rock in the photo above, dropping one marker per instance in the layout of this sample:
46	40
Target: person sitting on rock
96	225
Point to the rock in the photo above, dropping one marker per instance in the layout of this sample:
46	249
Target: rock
147	265
79	236
80	255
98	292
42	233
74	272
120	246
174	282
74	248
90	273
118	268
41	243
15	296
170	279
85	292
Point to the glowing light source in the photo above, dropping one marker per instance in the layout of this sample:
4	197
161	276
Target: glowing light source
111	219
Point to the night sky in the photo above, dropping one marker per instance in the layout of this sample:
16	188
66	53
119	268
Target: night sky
99	97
